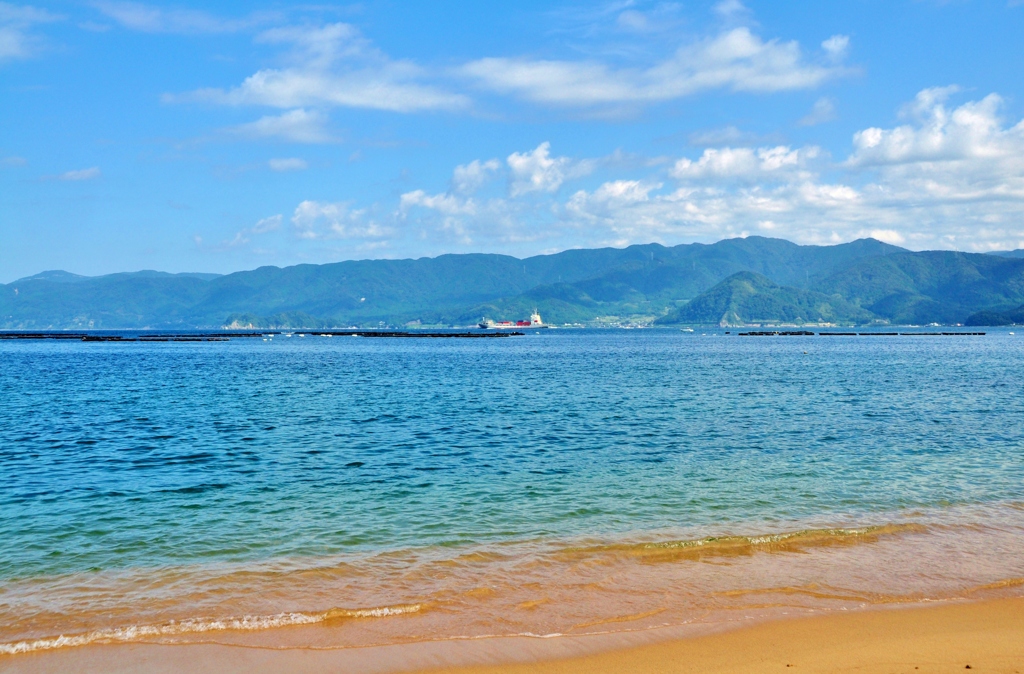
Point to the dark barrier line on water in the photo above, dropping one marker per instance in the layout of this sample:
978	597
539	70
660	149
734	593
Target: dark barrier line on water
860	334
224	337
179	337
463	335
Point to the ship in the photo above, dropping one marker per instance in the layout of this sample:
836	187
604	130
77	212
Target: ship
534	322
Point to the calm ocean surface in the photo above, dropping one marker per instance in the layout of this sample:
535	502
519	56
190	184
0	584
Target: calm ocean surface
146	486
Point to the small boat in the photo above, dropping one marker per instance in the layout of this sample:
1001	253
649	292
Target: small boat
686	329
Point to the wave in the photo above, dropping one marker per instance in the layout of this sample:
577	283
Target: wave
730	546
200	625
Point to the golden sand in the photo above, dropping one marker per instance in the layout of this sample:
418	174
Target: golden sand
983	636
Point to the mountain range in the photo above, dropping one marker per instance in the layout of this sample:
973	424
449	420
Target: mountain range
752	280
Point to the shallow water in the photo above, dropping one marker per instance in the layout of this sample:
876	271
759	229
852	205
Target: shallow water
561	482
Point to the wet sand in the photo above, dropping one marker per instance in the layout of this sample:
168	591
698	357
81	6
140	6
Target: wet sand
986	636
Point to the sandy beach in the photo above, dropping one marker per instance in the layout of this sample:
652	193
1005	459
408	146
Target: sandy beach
983	636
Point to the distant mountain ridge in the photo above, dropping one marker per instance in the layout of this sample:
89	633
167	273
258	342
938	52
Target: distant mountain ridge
861	281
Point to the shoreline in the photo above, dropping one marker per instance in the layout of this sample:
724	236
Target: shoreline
987	635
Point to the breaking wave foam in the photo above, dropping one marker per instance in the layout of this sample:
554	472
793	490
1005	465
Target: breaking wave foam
200	625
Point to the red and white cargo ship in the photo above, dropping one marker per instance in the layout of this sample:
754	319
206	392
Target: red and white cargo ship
534	322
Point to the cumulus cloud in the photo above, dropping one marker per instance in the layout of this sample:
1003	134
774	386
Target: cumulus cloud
288	164
299	126
458	214
609	198
151	19
735	60
326	220
445	203
332	66
461	216
81	174
951	177
538	171
468	178
957	170
744	162
16	22
971	131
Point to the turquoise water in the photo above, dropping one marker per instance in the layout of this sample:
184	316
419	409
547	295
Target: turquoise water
178	456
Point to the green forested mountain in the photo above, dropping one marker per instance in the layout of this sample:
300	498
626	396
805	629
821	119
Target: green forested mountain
1011	317
748	297
930	286
860	281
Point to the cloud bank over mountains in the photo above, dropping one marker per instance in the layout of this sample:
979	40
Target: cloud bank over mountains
951	177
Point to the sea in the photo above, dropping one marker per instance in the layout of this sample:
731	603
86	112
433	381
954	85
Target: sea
304	491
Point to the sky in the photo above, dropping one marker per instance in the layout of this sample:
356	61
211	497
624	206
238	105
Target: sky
223	136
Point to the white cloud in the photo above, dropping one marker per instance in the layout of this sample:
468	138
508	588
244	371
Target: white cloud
333	66
744	162
888	236
16	21
267	224
300	126
836	46
288	164
446	204
952	177
537	171
824	110
243	237
151	19
730	8
735	60
970	132
468	178
81	174
13	161
325	220
610	197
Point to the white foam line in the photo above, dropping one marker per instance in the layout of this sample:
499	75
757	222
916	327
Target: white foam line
191	626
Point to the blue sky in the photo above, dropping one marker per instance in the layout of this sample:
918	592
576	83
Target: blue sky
226	136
